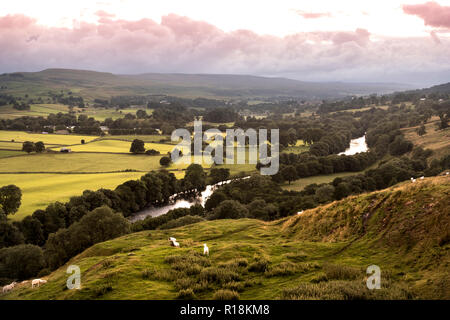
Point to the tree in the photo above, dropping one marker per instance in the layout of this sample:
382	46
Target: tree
421	131
21	262
137	146
39	146
325	193
165	161
259	209
141	114
97	226
28	147
9	235
219	174
195	177
289	173
229	209
31	229
215	199
10	199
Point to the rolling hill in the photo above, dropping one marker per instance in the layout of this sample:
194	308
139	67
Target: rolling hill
91	84
320	254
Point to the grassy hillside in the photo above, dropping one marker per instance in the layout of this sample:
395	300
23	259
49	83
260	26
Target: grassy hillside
436	140
321	254
90	85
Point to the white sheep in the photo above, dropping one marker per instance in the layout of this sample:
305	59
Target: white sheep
422	177
205	249
175	244
37	282
9	287
300	212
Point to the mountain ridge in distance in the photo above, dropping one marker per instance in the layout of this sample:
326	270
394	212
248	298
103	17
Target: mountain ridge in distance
96	84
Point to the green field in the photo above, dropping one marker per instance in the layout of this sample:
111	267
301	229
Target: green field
299	147
438	141
118	146
9	153
44	109
58	139
321	254
36	110
39	190
300	184
145	138
79	162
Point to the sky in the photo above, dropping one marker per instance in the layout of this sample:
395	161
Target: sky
322	40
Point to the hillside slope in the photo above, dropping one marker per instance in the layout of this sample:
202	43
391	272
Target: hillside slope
91	84
320	254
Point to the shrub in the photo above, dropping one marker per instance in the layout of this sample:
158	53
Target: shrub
234	286
187	294
218	275
341	272
261	264
225	294
344	290
283	269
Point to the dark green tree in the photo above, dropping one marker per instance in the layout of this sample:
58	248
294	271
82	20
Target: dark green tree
28	147
137	146
10	199
39	146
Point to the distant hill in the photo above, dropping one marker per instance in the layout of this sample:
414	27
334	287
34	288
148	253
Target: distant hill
91	84
320	254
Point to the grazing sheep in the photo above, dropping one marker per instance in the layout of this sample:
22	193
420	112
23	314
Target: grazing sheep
300	212
175	244
413	180
37	282
9	287
447	173
205	249
422	177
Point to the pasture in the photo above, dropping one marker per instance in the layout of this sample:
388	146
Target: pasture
438	141
10	153
55	139
299	147
118	146
36	110
39	190
300	184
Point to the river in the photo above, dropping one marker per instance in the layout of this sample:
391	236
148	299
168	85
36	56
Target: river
356	146
155	211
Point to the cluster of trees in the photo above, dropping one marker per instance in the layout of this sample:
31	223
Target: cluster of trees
296	166
60	121
69	100
219	115
37	147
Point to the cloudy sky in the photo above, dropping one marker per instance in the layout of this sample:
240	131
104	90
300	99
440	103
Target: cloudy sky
322	40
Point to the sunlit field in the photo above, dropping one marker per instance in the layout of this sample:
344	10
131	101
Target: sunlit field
59	139
118	146
39	190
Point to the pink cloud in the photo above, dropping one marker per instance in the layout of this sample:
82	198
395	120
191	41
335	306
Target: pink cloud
180	44
432	13
313	15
